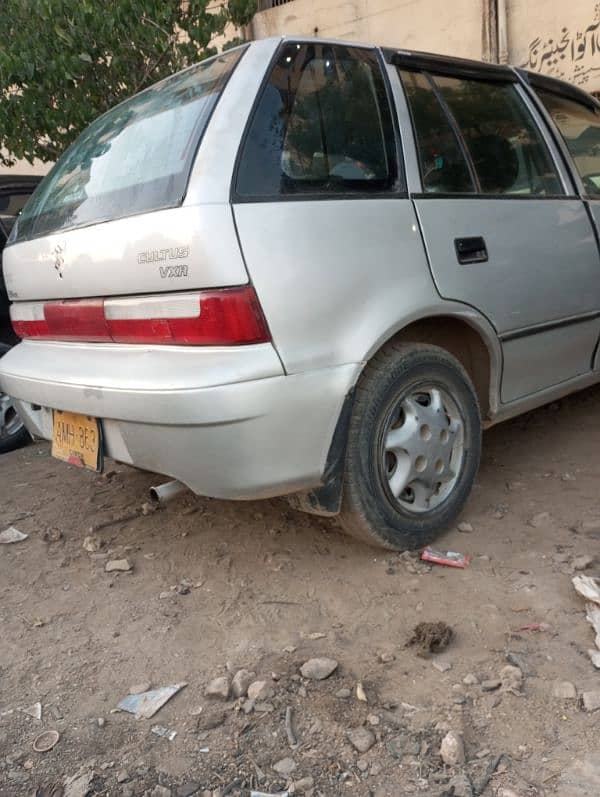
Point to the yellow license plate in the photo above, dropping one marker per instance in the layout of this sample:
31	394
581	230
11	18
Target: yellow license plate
76	440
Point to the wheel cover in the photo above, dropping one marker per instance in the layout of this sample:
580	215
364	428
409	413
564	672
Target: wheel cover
10	423
421	448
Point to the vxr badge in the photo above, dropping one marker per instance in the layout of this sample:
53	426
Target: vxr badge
59	257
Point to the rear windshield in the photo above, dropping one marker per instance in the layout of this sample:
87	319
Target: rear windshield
135	158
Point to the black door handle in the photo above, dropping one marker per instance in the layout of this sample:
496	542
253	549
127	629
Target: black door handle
471	250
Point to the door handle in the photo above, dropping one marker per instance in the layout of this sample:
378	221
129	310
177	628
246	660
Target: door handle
471	250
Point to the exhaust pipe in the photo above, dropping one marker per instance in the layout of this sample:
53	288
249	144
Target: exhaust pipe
167	491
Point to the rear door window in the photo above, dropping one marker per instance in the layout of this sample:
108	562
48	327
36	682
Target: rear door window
474	135
322	126
135	158
580	128
505	145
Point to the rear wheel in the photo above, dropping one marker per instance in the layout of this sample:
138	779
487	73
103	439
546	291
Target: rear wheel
413	447
13	433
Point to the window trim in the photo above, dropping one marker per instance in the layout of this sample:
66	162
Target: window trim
397	191
479	194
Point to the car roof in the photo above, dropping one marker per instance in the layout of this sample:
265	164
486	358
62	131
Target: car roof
464	67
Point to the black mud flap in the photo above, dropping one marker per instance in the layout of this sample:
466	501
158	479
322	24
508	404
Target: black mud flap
327	499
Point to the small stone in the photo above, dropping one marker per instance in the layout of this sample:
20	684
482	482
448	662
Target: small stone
343	694
138	689
595	657
303	786
442	666
373	719
148	508
260	690
285	766
127	791
92	543
241	681
218	688
466	528
187	789
491	685
591	700
564	690
101	722
452	750
160	791
122	776
360	693
511	678
386	658
460	786
583	562
302	691
362	764
361	738
289	649
483	753
318	669
504	792
118	566
541	519
470	679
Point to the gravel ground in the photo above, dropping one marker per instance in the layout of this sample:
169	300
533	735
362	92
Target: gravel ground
216	587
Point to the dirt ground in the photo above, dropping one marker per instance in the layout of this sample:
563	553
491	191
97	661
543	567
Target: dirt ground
219	586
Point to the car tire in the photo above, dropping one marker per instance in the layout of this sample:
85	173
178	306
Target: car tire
414	446
13	433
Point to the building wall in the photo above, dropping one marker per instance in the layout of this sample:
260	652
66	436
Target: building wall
557	38
445	27
550	36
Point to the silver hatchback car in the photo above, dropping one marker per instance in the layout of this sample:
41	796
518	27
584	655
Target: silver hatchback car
314	269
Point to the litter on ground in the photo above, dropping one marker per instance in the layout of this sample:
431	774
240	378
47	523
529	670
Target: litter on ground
11	534
146	704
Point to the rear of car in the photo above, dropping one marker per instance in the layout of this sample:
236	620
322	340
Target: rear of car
143	336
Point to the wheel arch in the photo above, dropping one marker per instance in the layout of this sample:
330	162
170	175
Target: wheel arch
466	335
457	329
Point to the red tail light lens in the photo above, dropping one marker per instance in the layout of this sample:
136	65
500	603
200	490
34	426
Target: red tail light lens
225	317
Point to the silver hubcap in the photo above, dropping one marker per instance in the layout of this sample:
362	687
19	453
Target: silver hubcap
10	423
423	448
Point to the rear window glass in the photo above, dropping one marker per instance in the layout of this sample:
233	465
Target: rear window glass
134	158
322	126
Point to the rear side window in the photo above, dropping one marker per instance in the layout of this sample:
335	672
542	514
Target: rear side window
505	145
136	157
444	168
322	126
580	128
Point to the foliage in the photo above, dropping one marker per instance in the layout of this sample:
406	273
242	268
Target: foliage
64	62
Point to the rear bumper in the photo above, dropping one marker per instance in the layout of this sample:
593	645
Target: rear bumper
226	422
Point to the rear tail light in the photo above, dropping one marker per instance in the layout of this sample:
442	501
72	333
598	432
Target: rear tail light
223	317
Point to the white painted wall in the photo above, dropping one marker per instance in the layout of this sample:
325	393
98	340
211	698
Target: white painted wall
451	27
550	36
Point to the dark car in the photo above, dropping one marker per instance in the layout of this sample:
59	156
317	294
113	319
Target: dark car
14	193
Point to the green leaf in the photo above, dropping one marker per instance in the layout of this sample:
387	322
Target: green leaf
85	57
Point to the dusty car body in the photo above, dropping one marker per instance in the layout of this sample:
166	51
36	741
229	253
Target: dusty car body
349	262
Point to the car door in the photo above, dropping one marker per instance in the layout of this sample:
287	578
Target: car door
503	228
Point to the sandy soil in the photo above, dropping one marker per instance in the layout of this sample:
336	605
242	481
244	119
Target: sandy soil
218	586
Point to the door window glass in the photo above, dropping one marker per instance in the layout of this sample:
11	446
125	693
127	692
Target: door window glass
322	125
580	128
444	169
505	145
